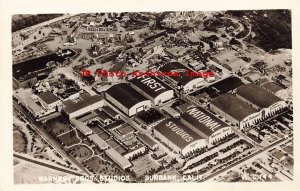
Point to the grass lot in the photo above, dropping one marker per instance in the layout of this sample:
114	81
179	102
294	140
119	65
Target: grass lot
69	138
101	167
19	142
143	165
58	125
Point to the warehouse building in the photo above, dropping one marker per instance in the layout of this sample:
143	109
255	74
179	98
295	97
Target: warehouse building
49	101
98	141
149	142
26	98
178	136
82	127
128	100
187	83
86	104
235	110
273	88
262	100
152	88
205	124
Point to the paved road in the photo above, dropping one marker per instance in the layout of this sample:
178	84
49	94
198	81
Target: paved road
50	140
48	165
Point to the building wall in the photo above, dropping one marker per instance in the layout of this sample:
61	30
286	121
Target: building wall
198	144
50	106
192	146
221	133
251	119
73	96
266	112
145	104
197	82
116	161
163	97
129	111
245	100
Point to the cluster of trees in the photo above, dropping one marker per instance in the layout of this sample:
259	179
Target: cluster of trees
23	21
138	155
205	159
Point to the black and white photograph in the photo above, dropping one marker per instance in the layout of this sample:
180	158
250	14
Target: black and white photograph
191	96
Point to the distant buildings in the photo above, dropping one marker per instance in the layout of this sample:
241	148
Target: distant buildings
187	83
231	61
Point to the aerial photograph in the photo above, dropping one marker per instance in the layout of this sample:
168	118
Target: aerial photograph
152	97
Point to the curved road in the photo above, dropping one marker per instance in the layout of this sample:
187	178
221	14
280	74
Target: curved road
50	140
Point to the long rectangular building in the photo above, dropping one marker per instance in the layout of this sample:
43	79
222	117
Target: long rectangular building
262	100
118	158
235	110
152	88
127	99
205	124
178	136
86	104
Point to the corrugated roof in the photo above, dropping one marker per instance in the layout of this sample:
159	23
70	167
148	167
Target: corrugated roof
257	95
150	85
233	106
271	86
168	129
125	94
48	97
203	121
